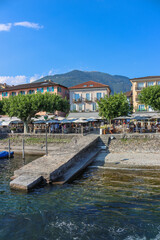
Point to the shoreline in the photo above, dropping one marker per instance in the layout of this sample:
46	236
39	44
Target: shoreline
132	159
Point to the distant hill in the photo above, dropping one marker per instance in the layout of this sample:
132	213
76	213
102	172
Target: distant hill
116	83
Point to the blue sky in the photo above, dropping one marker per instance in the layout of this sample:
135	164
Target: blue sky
41	37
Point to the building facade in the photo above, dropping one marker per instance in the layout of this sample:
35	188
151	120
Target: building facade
137	85
84	97
129	97
33	88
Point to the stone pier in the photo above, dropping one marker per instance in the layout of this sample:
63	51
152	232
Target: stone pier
58	167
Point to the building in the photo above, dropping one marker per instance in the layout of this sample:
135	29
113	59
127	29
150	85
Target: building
84	96
3	85
33	88
129	96
137	85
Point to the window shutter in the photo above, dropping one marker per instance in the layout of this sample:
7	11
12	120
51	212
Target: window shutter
47	89
52	89
6	93
42	89
2	94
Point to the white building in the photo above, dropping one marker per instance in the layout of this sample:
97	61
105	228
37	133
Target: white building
84	96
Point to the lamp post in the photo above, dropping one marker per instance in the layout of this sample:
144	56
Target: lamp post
46	117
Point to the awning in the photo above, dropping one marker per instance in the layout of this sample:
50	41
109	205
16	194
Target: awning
122	117
84	115
80	121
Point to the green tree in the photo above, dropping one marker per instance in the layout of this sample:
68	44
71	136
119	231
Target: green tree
1	108
150	96
25	107
114	106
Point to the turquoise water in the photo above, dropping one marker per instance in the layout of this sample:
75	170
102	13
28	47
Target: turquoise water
101	204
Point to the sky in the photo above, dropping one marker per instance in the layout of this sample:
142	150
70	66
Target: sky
47	37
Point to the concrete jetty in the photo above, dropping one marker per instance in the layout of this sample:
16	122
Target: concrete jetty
58	167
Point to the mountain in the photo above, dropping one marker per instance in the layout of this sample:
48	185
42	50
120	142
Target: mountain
117	83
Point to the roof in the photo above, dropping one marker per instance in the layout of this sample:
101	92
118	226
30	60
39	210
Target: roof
31	85
84	115
128	94
145	78
146	114
89	84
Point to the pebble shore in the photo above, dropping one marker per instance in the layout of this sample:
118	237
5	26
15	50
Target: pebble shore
134	152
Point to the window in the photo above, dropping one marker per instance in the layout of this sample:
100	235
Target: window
21	93
158	83
94	106
140	86
31	92
150	109
76	96
141	107
74	107
13	94
88	96
91	85
99	95
59	89
40	90
50	89
4	94
80	107
150	84
84	85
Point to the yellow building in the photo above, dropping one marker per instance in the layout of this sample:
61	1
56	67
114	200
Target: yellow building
137	85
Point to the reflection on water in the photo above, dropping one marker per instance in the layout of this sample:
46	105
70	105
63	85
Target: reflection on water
101	204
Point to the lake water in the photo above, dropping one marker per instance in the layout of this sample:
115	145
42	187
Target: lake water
101	204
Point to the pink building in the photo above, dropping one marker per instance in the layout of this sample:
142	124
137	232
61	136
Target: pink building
33	88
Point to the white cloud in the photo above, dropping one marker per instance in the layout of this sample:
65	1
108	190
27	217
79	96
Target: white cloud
50	72
35	77
19	79
28	25
5	27
13	80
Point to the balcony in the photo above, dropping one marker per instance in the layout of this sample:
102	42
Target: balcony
77	100
141	110
88	100
139	88
97	99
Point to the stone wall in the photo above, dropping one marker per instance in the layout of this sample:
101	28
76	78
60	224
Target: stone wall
20	135
133	143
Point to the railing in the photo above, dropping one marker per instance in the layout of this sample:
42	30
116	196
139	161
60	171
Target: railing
141	110
139	88
77	100
88	100
97	99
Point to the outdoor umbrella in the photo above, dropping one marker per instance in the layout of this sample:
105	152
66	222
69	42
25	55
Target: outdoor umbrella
92	120
155	116
65	121
80	121
53	121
